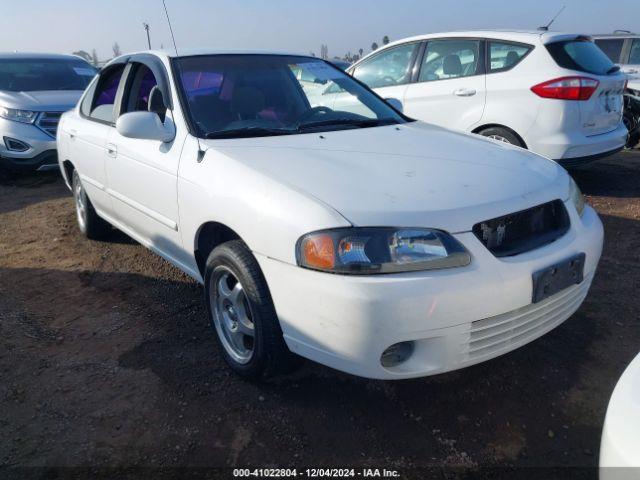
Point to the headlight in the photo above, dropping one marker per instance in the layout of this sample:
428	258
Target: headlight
367	251
23	116
576	197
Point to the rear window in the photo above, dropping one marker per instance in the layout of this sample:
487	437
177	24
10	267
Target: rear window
582	55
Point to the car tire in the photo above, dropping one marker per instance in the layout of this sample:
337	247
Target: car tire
90	224
502	135
242	313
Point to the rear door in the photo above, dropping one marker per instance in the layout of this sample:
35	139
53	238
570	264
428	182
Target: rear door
450	88
602	112
87	135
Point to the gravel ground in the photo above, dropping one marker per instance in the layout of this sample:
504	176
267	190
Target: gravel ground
107	360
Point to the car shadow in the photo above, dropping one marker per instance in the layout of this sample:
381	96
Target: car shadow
35	188
617	176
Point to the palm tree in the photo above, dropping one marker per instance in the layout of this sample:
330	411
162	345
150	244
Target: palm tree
361	51
374	46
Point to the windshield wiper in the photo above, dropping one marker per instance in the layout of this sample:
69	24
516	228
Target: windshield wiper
614	69
368	122
244	132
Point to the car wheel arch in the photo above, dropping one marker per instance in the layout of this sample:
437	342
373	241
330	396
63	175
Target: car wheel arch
67	169
208	236
479	129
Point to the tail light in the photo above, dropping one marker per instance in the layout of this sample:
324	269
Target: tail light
567	88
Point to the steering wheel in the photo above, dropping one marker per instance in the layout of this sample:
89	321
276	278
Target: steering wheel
312	112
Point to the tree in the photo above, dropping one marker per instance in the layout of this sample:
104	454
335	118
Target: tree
116	50
83	54
324	52
94	57
385	40
361	51
374	46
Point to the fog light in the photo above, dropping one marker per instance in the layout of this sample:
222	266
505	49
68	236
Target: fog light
16	145
396	354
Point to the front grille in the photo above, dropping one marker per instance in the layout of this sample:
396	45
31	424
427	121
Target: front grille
48	122
525	230
500	334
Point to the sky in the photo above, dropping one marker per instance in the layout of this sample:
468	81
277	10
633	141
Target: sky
299	26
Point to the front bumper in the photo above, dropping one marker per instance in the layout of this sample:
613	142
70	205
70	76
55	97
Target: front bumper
41	154
456	317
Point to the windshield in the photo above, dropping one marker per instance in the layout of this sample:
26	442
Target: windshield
230	96
40	74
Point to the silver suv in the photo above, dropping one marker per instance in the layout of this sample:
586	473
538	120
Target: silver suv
35	90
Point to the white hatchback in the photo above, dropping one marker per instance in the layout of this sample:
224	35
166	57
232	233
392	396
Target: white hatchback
555	94
351	235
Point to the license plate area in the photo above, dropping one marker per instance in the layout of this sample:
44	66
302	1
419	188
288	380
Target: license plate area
556	278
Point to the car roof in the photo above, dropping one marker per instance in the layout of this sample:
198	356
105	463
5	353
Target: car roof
514	35
193	52
39	56
617	35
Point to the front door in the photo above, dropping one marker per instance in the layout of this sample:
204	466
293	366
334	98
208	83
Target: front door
143	173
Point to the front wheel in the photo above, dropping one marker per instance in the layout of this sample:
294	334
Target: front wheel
242	312
502	135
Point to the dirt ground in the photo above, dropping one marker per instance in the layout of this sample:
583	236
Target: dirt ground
107	360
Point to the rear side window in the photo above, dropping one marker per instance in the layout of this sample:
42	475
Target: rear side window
446	59
104	98
388	68
504	56
612	47
581	55
634	55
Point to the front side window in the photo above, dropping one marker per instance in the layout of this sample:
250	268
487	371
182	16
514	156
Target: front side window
230	96
582	55
445	59
137	99
44	74
634	55
104	99
612	47
504	56
389	68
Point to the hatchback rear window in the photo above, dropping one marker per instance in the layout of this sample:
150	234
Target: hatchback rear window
582	55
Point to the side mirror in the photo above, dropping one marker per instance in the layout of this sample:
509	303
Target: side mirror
395	103
146	126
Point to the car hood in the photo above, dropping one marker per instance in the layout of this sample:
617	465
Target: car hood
50	100
409	175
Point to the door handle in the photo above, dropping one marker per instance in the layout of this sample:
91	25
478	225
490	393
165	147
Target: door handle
464	92
112	150
72	133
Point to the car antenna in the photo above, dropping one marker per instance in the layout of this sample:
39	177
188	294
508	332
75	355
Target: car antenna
173	39
175	47
545	28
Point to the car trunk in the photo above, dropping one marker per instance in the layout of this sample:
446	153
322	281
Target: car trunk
602	112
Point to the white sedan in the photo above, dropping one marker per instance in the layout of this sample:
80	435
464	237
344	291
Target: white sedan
355	237
620	447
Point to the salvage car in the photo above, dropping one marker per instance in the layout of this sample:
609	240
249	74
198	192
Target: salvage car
35	90
555	94
355	237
